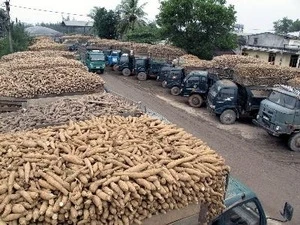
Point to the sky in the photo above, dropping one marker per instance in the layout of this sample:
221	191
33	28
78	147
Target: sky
256	15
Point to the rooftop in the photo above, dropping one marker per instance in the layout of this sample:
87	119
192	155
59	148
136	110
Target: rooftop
74	23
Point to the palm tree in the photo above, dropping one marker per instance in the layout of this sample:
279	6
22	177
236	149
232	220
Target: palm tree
132	15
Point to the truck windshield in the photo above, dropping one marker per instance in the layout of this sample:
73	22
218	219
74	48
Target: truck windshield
283	99
114	54
214	90
124	59
97	57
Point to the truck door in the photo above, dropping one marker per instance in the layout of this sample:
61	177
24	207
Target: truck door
245	213
203	84
191	84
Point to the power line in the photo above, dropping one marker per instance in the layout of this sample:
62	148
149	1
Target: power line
49	11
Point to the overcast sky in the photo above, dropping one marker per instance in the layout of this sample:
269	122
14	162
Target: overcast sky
256	15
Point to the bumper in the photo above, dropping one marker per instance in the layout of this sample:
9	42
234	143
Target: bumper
211	109
268	129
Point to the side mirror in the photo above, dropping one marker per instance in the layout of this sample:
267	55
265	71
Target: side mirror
288	211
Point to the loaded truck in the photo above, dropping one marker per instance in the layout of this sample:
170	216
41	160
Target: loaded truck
279	115
230	100
243	207
174	78
126	64
95	61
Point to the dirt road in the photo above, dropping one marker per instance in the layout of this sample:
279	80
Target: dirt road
264	163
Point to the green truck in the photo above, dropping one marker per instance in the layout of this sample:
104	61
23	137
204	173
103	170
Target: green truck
95	61
242	208
279	115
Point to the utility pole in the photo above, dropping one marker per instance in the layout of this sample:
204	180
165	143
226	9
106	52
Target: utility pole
9	25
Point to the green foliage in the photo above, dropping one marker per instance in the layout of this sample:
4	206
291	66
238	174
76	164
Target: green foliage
132	15
20	40
3	19
198	26
145	34
105	22
286	25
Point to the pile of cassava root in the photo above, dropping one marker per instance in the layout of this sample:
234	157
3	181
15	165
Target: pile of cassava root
39	54
60	111
108	170
46	43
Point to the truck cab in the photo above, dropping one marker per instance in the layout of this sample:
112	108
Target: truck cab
279	115
126	64
114	58
168	70
243	207
230	100
196	86
147	67
95	61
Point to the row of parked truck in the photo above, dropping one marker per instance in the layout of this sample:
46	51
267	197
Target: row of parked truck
275	109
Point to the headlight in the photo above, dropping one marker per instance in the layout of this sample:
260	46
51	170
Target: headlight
277	128
212	106
257	117
174	77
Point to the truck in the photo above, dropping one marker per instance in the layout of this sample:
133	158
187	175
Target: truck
114	58
147	67
174	78
230	100
243	207
95	61
279	115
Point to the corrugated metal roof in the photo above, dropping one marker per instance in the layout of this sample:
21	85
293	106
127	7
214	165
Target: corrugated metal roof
74	23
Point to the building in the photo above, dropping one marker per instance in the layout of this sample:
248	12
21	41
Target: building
273	48
73	26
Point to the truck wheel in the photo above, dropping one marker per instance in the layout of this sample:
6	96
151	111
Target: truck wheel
195	101
175	91
164	84
115	67
228	117
142	76
126	72
294	142
101	71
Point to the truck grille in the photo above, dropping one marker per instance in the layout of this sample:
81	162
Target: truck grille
266	119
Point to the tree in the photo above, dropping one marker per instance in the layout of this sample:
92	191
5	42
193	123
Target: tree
3	22
286	25
145	34
20	38
283	26
105	22
198	26
132	15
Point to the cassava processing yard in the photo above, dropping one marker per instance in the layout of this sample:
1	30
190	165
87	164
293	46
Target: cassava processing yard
116	168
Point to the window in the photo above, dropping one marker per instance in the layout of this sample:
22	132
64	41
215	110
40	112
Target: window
255	41
226	93
246	213
272	57
191	81
283	100
294	60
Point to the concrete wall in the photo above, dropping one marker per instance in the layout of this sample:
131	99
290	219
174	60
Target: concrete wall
283	60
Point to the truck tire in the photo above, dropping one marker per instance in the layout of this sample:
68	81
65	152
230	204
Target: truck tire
115	67
101	71
142	76
195	100
164	84
126	72
175	91
228	117
294	142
